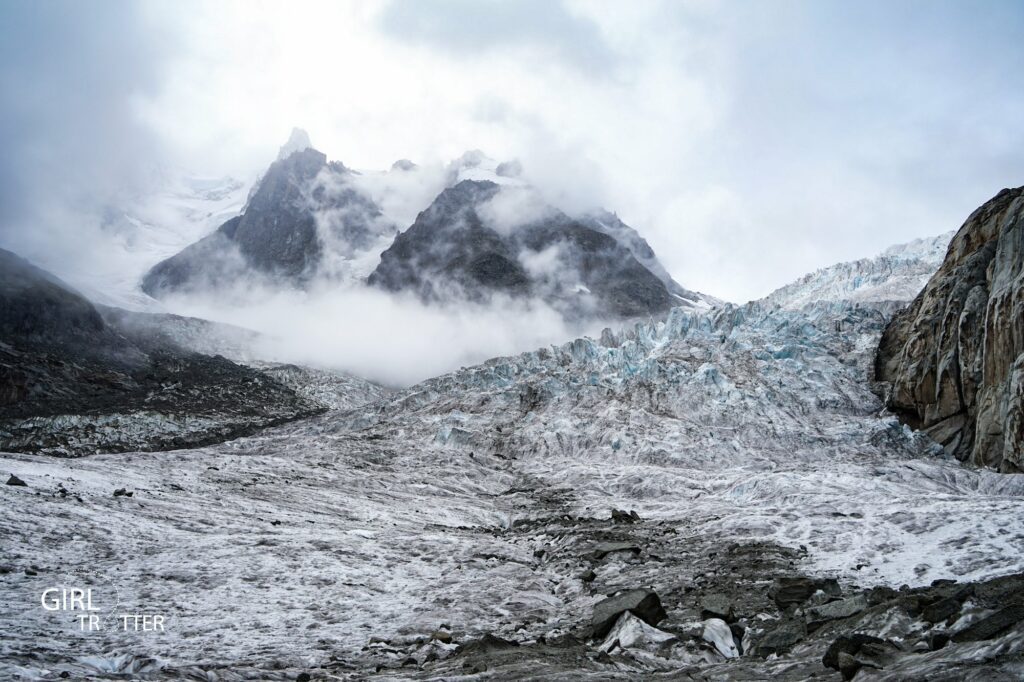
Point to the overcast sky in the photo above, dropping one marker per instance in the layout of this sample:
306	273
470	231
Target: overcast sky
750	142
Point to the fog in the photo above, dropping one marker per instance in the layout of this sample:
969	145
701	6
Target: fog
392	339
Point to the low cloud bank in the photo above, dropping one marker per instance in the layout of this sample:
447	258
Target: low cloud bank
392	339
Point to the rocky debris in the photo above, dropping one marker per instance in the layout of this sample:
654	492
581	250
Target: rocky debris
622	516
718	633
717	606
14	480
794	591
641	602
486	644
79	384
954	360
443	636
122	492
992	625
848	654
468	246
603	549
588	576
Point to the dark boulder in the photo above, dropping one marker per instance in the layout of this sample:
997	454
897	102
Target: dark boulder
850	653
642	603
717	606
780	639
484	645
941	610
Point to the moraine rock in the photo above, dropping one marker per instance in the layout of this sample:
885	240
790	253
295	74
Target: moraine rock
795	591
954	360
992	625
717	606
642	603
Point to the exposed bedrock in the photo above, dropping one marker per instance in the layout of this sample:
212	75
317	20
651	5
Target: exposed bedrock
954	360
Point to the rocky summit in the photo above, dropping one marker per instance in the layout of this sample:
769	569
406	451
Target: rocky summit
954	359
480	238
302	220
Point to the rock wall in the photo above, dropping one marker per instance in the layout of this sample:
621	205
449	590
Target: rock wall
954	360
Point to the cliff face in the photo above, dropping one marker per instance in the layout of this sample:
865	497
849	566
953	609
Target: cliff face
955	358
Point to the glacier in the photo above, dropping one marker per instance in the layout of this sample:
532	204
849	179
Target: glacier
747	439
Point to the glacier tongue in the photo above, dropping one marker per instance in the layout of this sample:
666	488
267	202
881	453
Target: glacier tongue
747	439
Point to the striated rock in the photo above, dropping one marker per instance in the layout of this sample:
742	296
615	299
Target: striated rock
941	610
992	625
642	603
954	360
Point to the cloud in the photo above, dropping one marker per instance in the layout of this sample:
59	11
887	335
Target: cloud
70	77
513	207
469	27
388	338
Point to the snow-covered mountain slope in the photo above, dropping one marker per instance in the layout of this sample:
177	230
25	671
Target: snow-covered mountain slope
146	229
304	221
897	274
377	540
612	225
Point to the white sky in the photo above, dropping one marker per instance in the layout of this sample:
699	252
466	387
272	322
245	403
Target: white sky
749	142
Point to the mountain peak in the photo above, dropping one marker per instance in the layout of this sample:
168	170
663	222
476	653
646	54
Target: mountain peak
297	141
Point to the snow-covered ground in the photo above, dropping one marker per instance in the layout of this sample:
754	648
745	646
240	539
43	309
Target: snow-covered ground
471	499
